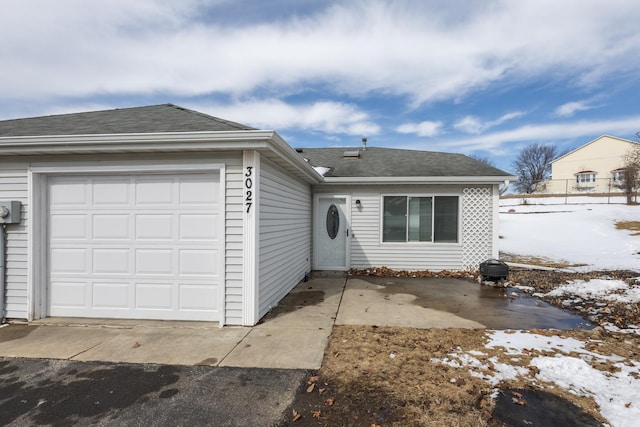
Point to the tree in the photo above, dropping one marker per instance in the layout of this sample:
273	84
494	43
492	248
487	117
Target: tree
631	180
483	159
533	165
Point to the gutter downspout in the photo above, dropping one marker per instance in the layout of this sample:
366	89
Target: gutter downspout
3	273
505	188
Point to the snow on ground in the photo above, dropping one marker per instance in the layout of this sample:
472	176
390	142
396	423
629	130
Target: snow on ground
616	391
576	233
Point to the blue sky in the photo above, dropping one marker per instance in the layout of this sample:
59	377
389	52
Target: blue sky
476	77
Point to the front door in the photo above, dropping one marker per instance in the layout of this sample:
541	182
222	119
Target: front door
331	233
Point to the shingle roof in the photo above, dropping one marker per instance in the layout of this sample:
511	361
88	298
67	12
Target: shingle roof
390	162
151	119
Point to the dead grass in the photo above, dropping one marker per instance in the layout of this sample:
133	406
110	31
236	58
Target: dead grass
379	376
633	226
375	376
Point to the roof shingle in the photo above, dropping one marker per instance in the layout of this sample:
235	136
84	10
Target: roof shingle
150	119
390	162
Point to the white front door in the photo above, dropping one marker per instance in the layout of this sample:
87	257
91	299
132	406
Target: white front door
331	233
135	246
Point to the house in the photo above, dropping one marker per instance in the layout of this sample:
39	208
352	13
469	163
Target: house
166	213
597	166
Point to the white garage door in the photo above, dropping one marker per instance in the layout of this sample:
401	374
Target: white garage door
137	247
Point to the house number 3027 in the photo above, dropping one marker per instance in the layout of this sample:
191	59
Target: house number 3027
248	185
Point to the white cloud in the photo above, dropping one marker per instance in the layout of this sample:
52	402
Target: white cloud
327	117
570	108
426	128
503	142
474	125
423	50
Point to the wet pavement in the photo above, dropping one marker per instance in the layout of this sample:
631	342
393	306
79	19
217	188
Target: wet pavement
492	307
64	393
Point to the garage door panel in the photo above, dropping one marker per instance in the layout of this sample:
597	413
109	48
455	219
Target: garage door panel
138	246
154	227
111	226
154	296
198	262
68	226
154	192
198	227
69	194
111	261
113	296
154	261
67	294
198	297
111	192
67	260
198	192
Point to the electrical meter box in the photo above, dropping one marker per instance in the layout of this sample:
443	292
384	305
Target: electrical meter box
10	212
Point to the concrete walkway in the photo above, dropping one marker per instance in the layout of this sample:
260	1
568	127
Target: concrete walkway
293	336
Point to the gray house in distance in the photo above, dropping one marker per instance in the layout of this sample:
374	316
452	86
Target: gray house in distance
161	212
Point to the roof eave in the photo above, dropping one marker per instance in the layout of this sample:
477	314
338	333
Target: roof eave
266	141
420	180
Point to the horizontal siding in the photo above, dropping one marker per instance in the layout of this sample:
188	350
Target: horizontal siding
367	250
14	186
284	234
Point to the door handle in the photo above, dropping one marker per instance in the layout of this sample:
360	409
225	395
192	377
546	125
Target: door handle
347	232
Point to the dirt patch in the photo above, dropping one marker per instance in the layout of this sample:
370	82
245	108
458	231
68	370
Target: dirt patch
633	226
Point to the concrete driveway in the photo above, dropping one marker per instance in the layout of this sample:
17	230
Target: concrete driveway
295	333
121	373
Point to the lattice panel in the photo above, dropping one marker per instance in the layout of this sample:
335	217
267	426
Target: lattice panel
477	226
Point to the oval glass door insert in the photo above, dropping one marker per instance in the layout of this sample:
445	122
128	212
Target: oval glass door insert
333	221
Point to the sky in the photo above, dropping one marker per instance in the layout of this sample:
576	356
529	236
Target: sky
483	78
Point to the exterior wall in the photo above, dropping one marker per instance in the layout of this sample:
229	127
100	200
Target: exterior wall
14	186
602	156
284	234
367	250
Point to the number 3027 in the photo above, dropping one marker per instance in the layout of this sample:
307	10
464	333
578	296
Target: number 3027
248	184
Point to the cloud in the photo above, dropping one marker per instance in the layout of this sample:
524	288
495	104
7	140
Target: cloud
473	125
570	108
424	51
505	140
325	116
426	128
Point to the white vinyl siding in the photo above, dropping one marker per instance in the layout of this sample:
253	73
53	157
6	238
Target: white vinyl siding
368	250
234	240
14	186
284	234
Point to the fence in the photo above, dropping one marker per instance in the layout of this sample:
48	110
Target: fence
572	191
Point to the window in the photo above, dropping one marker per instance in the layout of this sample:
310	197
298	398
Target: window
420	219
586	178
618	175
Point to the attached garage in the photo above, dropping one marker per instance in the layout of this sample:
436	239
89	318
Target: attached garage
154	212
136	246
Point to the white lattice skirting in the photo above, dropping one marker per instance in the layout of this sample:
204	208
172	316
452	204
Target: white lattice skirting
477	226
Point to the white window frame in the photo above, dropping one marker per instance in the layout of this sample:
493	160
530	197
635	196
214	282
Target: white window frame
583	182
426	243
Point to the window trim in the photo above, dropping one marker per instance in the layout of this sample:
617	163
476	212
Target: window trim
417	243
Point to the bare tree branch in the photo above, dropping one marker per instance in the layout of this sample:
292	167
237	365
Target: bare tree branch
533	165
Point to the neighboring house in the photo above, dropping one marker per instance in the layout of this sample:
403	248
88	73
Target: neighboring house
597	166
165	213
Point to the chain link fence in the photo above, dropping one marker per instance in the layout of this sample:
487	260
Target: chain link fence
575	191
